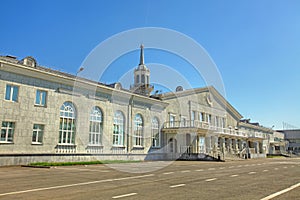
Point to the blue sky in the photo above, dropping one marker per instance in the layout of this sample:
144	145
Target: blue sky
255	44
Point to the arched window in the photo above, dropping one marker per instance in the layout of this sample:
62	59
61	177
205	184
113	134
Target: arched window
138	130
155	132
118	133
67	124
96	126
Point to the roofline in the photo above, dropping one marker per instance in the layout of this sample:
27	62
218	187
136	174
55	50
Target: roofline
243	124
69	79
212	90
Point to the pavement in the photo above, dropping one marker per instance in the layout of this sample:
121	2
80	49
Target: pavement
261	179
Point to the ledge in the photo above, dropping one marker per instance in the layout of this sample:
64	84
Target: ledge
138	148
4	142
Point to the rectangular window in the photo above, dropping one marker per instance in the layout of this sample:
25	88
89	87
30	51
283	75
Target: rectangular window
193	114
7	132
40	98
182	121
95	132
172	120
11	93
208	118
217	120
202	117
37	134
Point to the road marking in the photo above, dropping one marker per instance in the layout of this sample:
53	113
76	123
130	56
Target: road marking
90	170
230	166
284	167
222	168
258	164
132	177
168	173
211	168
185	171
175	186
199	170
276	168
252	173
211	179
281	192
239	166
265	170
124	195
75	184
234	175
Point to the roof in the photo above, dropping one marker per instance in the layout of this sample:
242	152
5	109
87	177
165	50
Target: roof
219	98
65	78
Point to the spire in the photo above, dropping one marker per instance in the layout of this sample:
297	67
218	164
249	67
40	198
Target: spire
142	55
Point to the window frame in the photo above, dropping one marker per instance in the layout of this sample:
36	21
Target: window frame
118	129
39	131
67	124
41	97
138	131
13	88
6	129
95	126
155	133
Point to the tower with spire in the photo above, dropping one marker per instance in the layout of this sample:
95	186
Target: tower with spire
142	77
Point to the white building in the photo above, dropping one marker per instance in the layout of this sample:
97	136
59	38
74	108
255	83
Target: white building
50	116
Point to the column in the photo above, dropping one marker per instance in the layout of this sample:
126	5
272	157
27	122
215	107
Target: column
257	147
208	144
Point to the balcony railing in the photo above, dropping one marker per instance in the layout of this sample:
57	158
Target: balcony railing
207	126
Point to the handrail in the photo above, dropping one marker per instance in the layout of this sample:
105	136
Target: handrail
209	126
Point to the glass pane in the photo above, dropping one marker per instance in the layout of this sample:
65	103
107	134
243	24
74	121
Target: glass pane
40	137
3	135
4	124
15	93
44	98
10	135
34	134
37	97
7	94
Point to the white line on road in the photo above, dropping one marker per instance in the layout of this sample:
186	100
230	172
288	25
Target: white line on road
276	168
185	171
124	195
211	168
199	170
252	173
281	192
265	170
211	179
230	166
75	184
175	186
169	173
234	175
222	168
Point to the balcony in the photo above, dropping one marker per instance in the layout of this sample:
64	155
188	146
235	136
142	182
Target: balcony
186	124
199	125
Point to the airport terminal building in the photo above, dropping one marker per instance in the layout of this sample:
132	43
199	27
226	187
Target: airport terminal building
50	116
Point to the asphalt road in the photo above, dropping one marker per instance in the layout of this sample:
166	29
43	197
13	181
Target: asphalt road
259	179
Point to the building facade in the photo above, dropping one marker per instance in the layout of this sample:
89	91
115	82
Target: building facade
50	116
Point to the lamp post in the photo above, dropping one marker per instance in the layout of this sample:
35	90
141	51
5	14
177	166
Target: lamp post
79	70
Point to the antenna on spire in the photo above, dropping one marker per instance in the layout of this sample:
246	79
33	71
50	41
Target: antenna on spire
142	55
